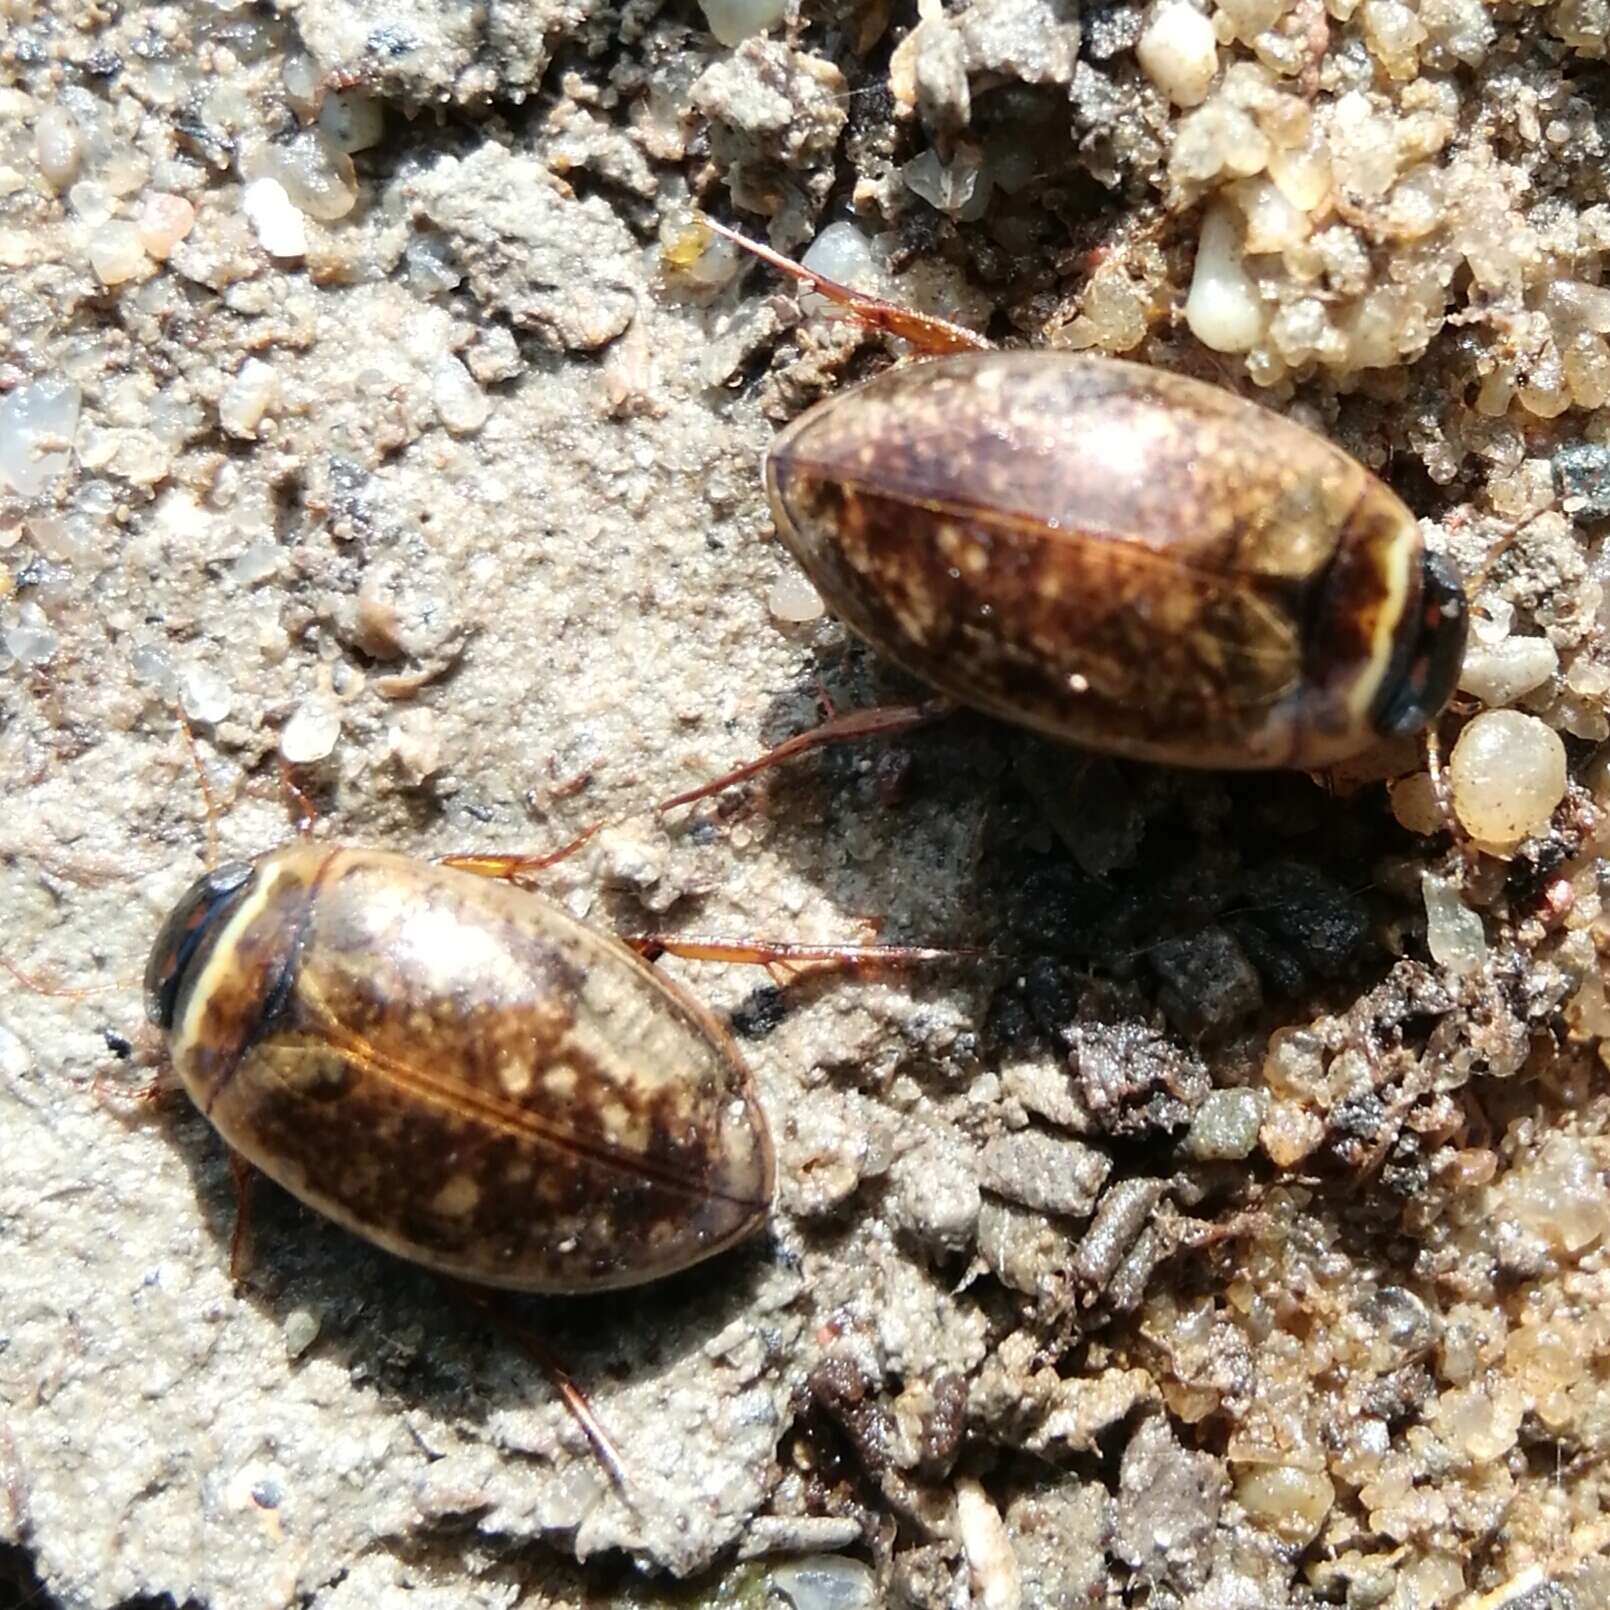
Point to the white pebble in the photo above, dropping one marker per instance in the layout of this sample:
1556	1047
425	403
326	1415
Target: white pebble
461	405
792	598
733	21
58	146
311	733
115	252
351	120
1454	933
301	1331
281	230
1507	773
1179	52
204	695
165	220
37	427
1223	309
988	1547
1500	673
247	398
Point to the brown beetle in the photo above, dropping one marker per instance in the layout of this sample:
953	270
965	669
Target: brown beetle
1113	555
456	1070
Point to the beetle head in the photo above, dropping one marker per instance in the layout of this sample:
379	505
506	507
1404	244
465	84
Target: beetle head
1429	656
186	936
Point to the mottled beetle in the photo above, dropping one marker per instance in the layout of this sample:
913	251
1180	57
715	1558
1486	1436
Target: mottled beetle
458	1071
1114	555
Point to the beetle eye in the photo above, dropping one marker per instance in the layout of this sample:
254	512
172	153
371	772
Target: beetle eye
198	914
1415	695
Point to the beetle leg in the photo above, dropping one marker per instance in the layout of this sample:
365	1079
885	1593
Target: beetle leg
878	721
244	1175
786	961
1442	794
562	1381
162	1084
307	814
514	867
924	331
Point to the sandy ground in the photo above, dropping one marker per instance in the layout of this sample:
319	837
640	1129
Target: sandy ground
1209	1245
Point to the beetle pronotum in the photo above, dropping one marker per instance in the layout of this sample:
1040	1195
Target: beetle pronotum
1124	558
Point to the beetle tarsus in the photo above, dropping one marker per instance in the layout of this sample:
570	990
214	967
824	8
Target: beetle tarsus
244	1176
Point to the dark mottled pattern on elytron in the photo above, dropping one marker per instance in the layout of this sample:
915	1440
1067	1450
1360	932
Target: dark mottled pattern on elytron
466	1076
1112	554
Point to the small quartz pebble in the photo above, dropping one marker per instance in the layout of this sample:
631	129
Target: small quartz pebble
281	230
1286	1500
1454	933
58	146
1507	774
247	398
37	427
204	695
988	1548
31	641
1223	308
1499	673
1179	52
843	253
733	21
318	178
1225	1127
461	405
301	1331
1479	1423
825	1582
311	733
351	120
116	253
792	598
165	220
1414	804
